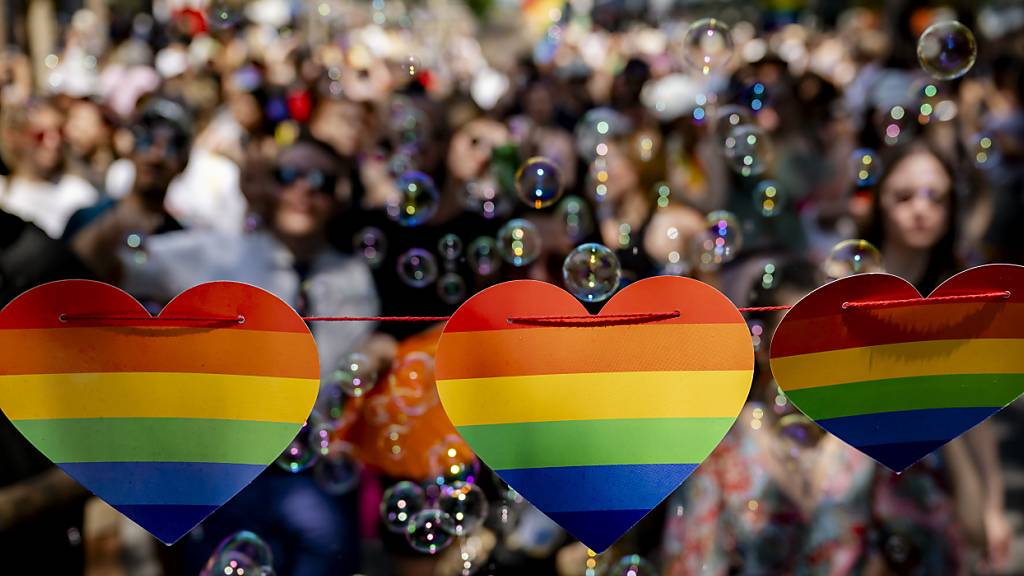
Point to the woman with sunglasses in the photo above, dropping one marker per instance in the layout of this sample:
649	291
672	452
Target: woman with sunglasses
293	199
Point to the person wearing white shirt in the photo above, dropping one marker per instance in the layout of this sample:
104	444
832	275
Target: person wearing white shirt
38	190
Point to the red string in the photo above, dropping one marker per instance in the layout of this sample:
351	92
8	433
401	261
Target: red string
984	296
591	320
573	321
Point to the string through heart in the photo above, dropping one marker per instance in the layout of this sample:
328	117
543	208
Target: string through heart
587	321
982	297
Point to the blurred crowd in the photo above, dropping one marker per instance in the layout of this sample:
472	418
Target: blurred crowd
394	157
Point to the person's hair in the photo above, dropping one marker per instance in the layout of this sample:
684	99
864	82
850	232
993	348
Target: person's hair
942	259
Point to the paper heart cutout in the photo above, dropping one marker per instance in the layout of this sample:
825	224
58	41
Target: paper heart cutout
164	420
595	425
899	382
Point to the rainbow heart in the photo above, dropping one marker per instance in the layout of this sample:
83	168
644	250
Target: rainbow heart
165	419
897	382
595	425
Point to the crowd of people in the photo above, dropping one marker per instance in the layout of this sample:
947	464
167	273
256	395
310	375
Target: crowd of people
393	158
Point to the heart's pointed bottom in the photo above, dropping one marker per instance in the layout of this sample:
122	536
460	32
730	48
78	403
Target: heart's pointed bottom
598	530
167	522
898	456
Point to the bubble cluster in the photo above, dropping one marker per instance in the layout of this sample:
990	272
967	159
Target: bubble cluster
539	182
851	257
591	272
708	45
417	268
947	50
412	383
519	242
416	200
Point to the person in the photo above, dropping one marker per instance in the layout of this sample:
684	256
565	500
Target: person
41	507
89	133
39	189
914	223
311	532
778	495
161	137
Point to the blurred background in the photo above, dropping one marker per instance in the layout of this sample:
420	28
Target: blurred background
394	157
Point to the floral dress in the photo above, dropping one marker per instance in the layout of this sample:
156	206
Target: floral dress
779	496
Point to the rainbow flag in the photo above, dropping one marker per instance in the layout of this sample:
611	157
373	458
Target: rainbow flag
899	382
595	426
165	421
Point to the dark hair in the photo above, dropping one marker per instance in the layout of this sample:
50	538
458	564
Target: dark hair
942	259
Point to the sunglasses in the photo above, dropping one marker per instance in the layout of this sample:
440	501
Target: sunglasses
320	181
174	143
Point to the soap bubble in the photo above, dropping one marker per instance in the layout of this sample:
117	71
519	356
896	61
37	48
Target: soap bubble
576	218
430	531
338	470
391	441
483	256
591	272
451	288
895	125
539	182
412	383
354	375
867	167
240	554
371	244
485	197
747	149
417	268
400	503
450	247
451	461
411	65
769	198
720	242
299	455
947	50
417	199
632	565
519	242
986	155
465	504
708	45
729	117
596	128
851	257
